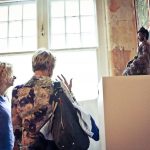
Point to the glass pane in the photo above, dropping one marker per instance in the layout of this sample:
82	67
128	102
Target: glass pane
72	25
3	45
15	12
79	18
87	7
73	40
57	8
72	8
88	40
57	25
3	30
15	29
22	71
29	28
3	13
85	80
57	41
29	11
15	44
84	24
29	43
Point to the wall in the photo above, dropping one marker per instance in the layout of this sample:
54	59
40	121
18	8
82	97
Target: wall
117	34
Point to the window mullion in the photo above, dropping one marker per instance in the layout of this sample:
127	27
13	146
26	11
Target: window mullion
22	25
8	29
13	1
42	23
80	24
65	20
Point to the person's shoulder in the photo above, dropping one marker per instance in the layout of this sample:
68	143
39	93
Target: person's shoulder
15	89
18	87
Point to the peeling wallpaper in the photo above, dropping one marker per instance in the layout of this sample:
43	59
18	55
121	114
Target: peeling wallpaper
122	33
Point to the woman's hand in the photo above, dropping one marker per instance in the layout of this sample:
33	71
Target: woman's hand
63	79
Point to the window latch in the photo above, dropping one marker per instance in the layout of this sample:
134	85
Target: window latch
42	30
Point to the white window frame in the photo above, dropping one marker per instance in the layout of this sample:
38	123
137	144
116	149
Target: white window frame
9	3
43	36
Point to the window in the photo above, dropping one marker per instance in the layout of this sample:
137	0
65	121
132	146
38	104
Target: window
72	30
70	33
81	65
73	26
17	26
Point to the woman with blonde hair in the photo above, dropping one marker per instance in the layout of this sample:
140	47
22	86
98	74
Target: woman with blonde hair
6	130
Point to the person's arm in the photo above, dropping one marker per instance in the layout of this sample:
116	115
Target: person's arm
67	84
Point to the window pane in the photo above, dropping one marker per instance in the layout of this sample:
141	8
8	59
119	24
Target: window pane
3	45
15	12
82	67
79	18
3	30
87	7
72	8
29	43
20	25
73	40
57	25
79	65
88	40
29	28
57	8
57	41
29	11
84	24
15	29
15	44
22	71
3	13
72	25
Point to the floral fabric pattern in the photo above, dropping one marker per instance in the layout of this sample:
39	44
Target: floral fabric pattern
30	109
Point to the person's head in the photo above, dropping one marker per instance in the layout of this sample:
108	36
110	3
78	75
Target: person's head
6	76
143	34
43	60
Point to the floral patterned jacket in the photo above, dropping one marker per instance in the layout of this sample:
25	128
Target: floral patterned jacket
30	109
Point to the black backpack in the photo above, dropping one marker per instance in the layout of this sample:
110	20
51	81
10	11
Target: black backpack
66	130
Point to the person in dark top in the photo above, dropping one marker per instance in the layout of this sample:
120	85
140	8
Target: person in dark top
6	129
140	64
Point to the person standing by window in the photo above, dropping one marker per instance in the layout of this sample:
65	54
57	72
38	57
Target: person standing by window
30	104
6	129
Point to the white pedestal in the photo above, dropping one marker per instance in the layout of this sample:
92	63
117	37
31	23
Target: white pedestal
124	105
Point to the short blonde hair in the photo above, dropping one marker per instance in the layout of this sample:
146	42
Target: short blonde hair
5	71
43	60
